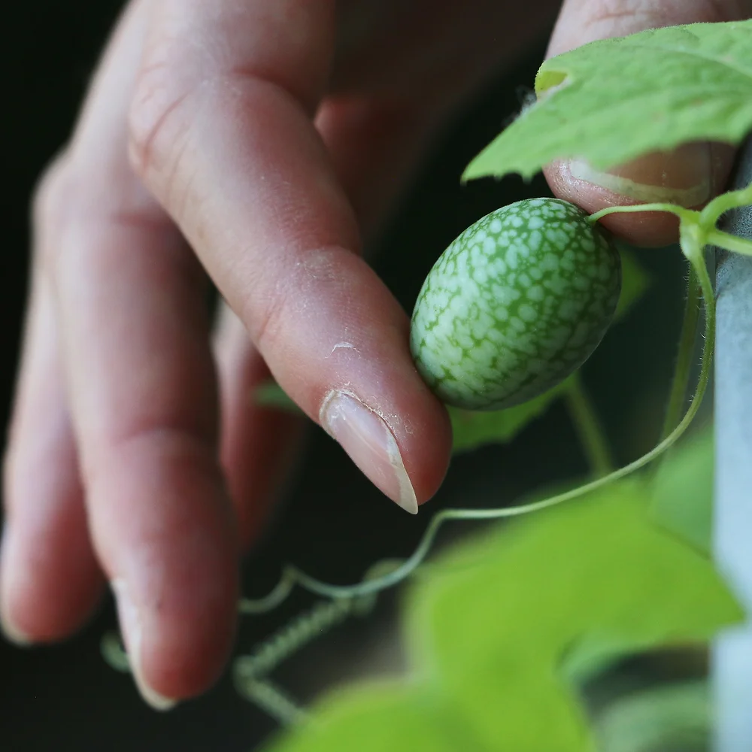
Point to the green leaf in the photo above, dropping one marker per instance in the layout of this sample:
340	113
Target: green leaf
558	595
473	429
683	491
635	281
616	99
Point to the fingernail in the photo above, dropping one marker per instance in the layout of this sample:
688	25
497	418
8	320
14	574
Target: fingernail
13	634
9	630
370	444
130	623
682	176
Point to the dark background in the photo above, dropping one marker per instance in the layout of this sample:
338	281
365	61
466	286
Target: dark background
332	522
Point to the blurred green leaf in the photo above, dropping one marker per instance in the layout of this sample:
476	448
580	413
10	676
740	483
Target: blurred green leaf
503	628
683	491
559	595
271	394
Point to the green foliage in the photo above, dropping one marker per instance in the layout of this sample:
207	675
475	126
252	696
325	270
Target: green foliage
503	628
271	394
471	429
613	100
683	492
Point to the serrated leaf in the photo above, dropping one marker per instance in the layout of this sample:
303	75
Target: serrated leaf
613	100
560	594
683	491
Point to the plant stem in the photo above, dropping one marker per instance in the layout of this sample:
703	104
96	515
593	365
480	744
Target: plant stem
684	358
588	427
723	203
729	242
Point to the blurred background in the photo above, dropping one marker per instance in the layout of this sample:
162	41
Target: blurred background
331	522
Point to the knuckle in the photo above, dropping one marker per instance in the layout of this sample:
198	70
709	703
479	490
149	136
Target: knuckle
156	124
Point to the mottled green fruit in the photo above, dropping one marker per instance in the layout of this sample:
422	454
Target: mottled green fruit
515	304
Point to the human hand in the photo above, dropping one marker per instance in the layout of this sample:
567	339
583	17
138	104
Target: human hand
257	142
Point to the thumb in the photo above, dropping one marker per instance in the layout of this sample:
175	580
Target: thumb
691	174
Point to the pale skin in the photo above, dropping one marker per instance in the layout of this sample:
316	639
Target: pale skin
256	144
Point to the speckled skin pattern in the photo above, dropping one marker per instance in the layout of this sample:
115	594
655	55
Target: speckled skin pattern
515	304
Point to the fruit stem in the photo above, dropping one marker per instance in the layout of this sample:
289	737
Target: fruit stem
589	428
683	368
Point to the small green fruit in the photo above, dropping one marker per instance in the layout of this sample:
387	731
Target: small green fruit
515	304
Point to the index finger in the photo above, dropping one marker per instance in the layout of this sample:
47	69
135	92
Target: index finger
222	133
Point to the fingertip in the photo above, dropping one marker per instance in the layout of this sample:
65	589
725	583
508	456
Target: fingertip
371	444
47	592
165	532
50	580
178	643
9	628
428	446
132	627
404	451
687	176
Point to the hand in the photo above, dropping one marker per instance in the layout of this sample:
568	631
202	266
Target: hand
256	142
